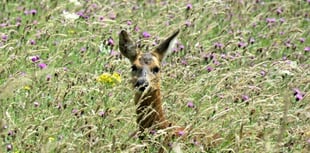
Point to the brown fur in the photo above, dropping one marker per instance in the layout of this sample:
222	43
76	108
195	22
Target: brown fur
146	80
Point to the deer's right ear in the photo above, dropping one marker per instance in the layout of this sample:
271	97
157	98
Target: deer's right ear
127	46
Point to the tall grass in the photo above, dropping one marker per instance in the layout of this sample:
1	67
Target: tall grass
242	65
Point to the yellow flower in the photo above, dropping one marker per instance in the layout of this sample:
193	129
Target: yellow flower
27	87
51	139
107	78
117	77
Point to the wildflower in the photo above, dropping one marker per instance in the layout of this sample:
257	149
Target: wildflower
101	113
35	58
189	6
252	40
110	42
307	49
112	16
282	20
83	49
181	133
245	98
101	18
36	104
42	65
137	29
181	47
241	44
32	42
146	34
302	40
48	77
299	97
33	12
75	111
279	11
188	23
9	147
190	104
51	139
4	37
218	45
263	73
129	22
153	132
109	79
270	20
27	87
298	94
209	68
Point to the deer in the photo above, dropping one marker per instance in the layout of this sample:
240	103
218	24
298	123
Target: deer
145	79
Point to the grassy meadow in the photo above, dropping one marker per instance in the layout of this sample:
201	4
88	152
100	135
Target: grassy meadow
238	77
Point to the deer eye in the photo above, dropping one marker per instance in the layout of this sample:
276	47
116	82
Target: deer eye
155	70
134	68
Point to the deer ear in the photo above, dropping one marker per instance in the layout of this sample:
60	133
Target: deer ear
166	46
127	46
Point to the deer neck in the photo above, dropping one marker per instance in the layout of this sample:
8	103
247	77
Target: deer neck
149	110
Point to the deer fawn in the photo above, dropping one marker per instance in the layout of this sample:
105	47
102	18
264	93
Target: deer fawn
145	70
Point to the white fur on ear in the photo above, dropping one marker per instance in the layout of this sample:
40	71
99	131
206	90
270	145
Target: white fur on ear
172	44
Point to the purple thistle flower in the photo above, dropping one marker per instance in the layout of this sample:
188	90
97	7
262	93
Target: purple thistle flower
252	40
153	132
42	65
35	58
48	77
26	12
32	42
270	20
9	147
101	18
279	11
263	73
188	23
299	97
112	16
209	68
296	91
189	6
146	34
129	22
83	49
241	44
75	111
4	37
137	29
101	113
282	20
218	45
307	49
110	42
33	12
190	104
245	98
302	40
181	133
181	47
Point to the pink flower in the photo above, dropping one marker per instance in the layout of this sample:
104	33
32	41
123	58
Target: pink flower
146	34
189	6
190	104
42	65
307	49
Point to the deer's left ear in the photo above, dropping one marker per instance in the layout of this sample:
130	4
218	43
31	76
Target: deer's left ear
166	46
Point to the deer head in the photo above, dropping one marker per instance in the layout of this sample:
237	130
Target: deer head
145	67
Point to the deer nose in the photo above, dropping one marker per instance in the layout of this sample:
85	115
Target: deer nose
142	83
